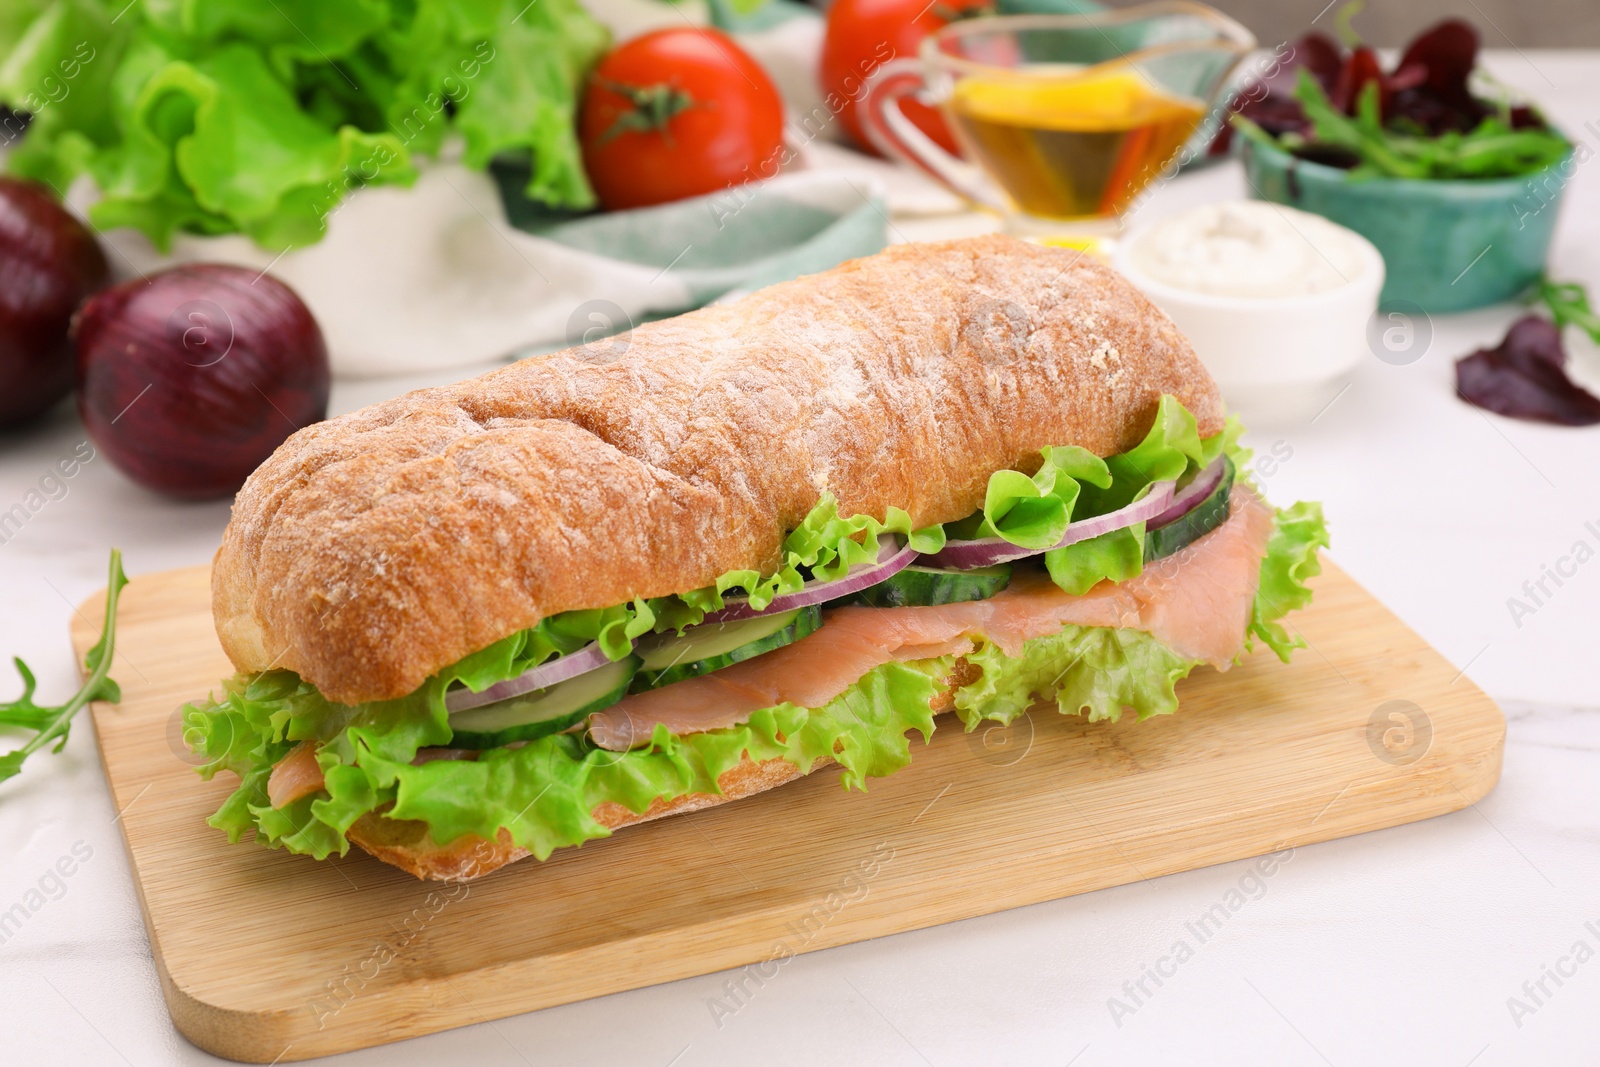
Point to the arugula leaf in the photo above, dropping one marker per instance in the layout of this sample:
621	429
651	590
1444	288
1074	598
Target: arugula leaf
52	723
1344	23
1569	306
1363	134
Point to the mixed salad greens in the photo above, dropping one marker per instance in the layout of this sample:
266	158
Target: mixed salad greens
1423	119
233	116
543	791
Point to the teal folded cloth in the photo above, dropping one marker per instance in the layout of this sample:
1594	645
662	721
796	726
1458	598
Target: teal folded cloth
746	17
1047	7
691	252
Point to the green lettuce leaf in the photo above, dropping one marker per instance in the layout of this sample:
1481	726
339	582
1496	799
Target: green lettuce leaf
1072	484
1117	556
521	108
1033	512
220	141
1291	561
1299	533
1170	450
541	793
232	116
1088	670
58	70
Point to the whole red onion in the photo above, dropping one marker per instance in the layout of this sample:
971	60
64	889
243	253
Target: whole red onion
187	380
48	263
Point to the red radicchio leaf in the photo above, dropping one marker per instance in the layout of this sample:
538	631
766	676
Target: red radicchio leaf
1270	103
1524	117
1447	53
1407	78
1362	67
1321	55
1430	84
1433	115
1276	114
1525	377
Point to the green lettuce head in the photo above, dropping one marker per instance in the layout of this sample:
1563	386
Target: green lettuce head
236	116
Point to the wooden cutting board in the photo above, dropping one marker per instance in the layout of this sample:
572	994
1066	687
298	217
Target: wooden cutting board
265	956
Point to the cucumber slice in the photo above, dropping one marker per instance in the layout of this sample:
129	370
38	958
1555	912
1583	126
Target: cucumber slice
917	586
546	711
714	645
1192	524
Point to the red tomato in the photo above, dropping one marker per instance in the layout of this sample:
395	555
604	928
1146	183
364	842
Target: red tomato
862	35
678	113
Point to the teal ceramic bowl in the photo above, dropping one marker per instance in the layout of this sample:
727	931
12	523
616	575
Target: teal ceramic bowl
1447	245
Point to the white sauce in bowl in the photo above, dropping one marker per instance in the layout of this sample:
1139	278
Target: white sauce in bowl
1251	249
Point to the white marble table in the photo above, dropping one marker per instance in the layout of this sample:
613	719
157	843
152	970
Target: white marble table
1401	946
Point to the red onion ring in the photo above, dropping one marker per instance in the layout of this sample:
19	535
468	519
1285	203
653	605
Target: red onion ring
1191	494
987	551
543	676
892	558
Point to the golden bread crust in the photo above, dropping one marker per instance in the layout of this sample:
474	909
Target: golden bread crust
405	843
374	549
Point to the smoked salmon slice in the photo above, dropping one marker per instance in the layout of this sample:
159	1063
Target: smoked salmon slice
299	774
296	775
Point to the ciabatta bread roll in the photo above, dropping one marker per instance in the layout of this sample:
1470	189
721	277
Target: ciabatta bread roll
376	548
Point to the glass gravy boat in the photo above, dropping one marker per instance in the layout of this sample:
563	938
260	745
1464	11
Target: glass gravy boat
1064	120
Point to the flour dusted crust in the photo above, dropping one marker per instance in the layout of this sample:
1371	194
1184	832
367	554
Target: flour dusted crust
374	549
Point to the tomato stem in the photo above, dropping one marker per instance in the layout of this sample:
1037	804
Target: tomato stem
654	108
949	14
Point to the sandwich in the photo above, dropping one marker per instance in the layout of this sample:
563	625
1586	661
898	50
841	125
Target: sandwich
934	487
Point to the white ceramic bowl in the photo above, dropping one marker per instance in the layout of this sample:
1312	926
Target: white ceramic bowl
1277	359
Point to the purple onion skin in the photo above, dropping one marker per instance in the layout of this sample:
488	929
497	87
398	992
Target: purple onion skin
189	379
49	262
